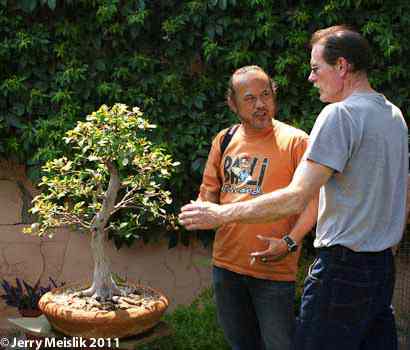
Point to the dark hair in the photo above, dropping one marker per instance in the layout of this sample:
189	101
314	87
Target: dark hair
230	92
342	41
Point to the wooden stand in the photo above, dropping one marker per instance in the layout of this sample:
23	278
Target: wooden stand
39	328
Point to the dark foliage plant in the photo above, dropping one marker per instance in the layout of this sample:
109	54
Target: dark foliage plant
60	60
22	295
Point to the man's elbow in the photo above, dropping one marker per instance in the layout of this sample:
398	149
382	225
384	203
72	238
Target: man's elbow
300	205
300	200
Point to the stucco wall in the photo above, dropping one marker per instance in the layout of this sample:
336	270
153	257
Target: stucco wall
181	273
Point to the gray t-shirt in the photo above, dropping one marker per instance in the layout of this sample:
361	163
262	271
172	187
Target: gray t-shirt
364	139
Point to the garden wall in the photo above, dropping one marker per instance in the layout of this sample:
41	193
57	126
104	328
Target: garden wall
181	272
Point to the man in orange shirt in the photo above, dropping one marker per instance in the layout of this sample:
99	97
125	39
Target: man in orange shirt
255	297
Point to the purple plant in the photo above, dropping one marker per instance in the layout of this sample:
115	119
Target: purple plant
23	295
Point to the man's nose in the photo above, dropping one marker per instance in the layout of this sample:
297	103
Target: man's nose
311	77
259	102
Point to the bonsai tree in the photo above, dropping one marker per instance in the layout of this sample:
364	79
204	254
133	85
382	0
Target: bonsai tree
112	181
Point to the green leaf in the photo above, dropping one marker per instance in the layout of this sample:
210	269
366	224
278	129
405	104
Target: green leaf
223	4
52	4
28	5
198	103
19	109
14	121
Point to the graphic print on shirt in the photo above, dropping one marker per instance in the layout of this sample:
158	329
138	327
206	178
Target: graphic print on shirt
244	174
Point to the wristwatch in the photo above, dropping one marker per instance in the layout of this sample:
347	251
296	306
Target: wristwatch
292	246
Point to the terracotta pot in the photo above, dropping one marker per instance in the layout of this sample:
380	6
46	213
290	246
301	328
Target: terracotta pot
101	324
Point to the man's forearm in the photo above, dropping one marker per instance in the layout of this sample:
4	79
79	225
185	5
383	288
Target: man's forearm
265	208
306	221
308	179
291	200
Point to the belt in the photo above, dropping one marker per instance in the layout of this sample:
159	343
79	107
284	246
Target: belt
344	250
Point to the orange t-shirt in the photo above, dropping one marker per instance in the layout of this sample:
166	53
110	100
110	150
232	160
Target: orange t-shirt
253	164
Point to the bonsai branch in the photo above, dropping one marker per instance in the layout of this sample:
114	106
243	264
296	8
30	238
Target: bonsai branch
71	219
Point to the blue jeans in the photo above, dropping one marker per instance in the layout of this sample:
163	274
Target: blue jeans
346	303
255	314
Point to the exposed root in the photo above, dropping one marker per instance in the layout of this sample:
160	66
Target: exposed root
102	293
87	292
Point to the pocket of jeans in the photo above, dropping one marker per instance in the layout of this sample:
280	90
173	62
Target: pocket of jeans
314	270
350	301
311	292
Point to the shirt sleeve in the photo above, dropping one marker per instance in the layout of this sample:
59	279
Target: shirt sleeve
332	138
211	179
299	150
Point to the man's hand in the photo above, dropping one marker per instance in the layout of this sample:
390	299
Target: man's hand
277	248
201	216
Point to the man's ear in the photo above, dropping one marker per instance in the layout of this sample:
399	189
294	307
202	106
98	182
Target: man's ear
232	105
342	66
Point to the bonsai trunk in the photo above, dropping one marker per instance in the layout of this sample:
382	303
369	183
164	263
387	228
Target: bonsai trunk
103	286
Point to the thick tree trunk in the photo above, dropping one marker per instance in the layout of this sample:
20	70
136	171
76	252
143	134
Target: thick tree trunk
103	287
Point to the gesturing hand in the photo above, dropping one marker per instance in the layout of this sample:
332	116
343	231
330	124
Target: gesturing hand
277	249
200	216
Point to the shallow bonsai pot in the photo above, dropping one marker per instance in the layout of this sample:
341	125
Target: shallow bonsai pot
102	324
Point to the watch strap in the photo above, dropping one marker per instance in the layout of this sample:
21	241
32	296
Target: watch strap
292	245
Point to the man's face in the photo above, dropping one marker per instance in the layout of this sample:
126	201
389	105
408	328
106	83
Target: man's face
244	164
325	77
253	101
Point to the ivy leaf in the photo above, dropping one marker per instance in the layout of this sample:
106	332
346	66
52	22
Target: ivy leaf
198	103
28	5
52	4
141	5
14	121
223	4
19	109
198	165
212	3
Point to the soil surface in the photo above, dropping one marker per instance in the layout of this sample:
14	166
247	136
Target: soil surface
132	297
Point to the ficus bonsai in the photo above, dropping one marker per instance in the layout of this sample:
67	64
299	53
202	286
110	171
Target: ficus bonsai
113	168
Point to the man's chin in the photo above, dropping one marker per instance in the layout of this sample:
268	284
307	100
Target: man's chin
260	125
323	98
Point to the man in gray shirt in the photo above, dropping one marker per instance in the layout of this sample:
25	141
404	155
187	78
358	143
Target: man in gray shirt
358	160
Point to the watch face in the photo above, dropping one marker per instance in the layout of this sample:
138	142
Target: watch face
292	246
